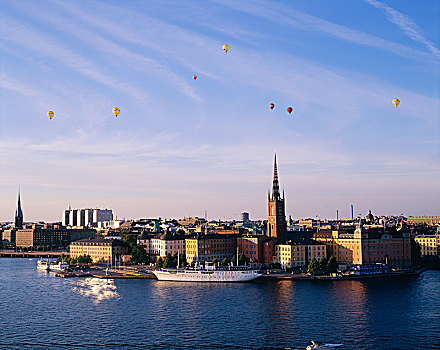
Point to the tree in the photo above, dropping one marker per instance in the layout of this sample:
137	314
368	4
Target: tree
234	261
181	232
224	262
215	261
313	266
159	263
323	265
183	261
332	265
139	255
167	262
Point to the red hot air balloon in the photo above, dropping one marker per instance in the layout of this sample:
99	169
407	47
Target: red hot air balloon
289	109
194	77
271	106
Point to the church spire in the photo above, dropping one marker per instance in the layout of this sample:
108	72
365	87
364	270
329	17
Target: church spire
19	213
276	185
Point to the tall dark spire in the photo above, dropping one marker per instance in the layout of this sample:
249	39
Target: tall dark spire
276	185
19	214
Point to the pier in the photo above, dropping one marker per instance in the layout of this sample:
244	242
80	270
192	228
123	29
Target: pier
30	255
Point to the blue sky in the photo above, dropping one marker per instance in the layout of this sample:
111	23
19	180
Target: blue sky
180	147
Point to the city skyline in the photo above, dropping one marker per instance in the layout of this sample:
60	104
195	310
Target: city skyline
182	146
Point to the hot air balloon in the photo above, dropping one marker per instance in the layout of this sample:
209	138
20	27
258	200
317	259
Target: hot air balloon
50	114
289	110
396	102
271	106
225	47
194	77
116	111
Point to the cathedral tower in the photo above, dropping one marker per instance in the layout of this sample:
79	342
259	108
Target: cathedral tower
276	223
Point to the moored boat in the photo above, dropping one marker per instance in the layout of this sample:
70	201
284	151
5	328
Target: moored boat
43	264
61	266
208	274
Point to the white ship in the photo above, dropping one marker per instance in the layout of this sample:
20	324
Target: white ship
208	274
60	267
43	265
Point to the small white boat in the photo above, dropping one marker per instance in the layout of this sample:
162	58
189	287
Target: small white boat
320	345
43	265
60	267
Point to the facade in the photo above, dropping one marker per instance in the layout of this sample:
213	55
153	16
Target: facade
205	248
9	235
429	245
252	246
166	244
276	224
290	255
85	217
100	250
45	235
423	220
375	245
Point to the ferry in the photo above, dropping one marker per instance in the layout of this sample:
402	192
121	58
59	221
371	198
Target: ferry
60	267
43	265
208	274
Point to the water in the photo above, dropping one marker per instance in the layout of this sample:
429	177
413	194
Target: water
40	311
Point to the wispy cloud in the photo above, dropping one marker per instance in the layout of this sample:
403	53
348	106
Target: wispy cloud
299	19
406	24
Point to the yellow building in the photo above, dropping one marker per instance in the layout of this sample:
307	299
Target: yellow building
429	245
375	245
205	248
291	255
100	250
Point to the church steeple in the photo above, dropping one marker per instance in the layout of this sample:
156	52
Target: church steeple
18	214
275	185
276	223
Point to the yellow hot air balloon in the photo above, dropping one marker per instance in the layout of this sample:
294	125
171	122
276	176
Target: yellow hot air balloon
396	102
50	114
116	111
225	47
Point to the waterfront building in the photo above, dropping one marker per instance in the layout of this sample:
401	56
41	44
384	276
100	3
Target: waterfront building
377	244
49	235
252	246
423	220
166	243
276	224
9	236
268	251
85	217
429	244
204	248
18	214
100	250
290	255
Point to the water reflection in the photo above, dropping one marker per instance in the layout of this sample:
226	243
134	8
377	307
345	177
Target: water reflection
96	289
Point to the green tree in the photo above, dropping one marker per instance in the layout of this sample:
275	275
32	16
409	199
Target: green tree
159	263
313	266
183	261
214	261
332	265
224	262
84	259
323	265
167	261
181	232
139	255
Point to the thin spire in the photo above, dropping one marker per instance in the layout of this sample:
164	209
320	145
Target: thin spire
276	185
19	212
